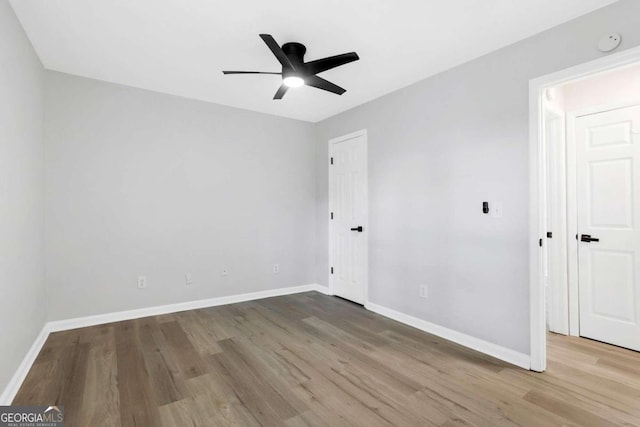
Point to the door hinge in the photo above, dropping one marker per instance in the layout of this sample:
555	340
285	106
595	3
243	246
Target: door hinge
540	242
331	270
332	160
331	215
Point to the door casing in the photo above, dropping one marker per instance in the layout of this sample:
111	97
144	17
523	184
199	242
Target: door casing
556	246
332	142
537	181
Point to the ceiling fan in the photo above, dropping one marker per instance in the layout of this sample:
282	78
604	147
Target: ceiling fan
296	72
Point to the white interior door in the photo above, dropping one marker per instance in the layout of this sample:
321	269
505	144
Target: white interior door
608	206
348	228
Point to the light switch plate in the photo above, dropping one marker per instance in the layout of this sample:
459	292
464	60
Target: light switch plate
496	211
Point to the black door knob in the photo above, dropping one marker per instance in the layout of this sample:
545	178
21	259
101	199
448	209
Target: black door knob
358	229
587	238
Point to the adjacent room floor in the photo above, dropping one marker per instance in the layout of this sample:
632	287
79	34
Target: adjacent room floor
310	359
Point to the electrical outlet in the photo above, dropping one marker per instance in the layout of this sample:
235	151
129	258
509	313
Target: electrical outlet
142	282
188	279
225	272
276	268
424	291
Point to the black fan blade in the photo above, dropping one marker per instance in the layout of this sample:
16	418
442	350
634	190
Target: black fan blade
277	50
324	64
323	84
281	91
250	72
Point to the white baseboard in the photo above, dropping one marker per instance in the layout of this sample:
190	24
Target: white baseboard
81	322
322	289
12	388
23	369
511	356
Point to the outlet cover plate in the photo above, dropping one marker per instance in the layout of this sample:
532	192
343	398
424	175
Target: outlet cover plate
424	291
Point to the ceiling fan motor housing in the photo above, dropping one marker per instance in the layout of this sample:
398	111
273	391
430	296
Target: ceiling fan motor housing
295	52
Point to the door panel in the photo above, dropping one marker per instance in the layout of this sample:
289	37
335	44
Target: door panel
611	208
615	300
610	134
608	195
348	204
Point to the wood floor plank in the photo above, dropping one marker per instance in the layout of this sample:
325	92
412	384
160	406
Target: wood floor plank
268	368
251	385
217	400
198	333
567	410
242	384
72	371
189	360
34	391
101	400
183	413
164	383
313	360
137	406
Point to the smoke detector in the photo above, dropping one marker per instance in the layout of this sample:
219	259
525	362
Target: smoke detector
609	42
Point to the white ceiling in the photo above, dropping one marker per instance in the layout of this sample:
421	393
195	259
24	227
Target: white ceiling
180	46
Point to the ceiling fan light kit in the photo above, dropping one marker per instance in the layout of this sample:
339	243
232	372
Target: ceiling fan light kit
293	81
296	72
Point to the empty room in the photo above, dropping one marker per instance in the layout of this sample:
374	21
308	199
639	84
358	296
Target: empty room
296	213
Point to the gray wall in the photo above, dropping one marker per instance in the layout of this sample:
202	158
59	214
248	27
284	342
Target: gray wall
22	292
141	183
437	149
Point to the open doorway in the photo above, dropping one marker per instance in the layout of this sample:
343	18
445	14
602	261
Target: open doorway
585	135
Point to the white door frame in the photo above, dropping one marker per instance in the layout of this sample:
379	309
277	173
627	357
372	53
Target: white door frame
554	248
363	133
537	176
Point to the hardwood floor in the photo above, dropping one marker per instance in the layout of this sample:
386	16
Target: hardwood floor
309	359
